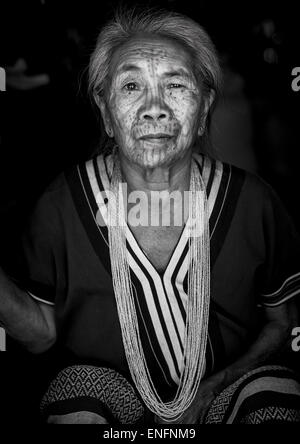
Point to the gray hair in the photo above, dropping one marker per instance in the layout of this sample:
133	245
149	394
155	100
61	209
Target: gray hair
128	23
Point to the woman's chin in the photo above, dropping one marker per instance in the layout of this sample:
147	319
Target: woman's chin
158	157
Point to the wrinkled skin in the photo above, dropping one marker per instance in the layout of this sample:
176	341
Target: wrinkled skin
153	91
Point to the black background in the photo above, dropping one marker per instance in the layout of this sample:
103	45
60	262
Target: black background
46	129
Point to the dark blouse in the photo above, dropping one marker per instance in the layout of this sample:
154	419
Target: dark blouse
65	262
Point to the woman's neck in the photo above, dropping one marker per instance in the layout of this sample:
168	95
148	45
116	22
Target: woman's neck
172	178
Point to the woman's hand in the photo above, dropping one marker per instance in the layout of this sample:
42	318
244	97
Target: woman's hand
273	339
207	392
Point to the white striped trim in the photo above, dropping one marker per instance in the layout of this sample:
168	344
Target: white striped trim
162	297
223	202
294	276
215	187
40	299
214	191
212	353
175	307
179	285
154	315
102	170
206	168
96	190
216	182
183	269
275	304
2	339
149	339
167	278
88	202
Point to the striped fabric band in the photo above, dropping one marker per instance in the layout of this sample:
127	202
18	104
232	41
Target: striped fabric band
289	289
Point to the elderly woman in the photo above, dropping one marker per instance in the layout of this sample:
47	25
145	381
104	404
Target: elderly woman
178	319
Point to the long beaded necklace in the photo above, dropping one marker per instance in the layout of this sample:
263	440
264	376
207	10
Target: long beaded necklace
198	300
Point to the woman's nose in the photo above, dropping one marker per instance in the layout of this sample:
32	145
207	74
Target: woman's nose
155	115
154	110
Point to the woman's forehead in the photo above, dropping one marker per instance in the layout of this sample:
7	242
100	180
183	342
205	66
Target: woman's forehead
143	49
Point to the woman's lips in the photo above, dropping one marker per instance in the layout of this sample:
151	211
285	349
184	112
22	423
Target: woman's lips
159	138
156	135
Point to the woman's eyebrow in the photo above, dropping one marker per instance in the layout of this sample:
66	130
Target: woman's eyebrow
177	73
127	67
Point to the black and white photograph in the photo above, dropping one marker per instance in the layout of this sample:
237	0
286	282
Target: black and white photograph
149	215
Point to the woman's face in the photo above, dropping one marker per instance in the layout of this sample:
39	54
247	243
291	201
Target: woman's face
154	106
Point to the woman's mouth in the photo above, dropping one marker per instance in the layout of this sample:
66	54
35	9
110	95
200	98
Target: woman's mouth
159	138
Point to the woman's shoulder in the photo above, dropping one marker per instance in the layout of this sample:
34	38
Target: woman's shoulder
253	185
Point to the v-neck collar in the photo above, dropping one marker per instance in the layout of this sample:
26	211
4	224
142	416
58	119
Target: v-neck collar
99	171
92	178
104	169
176	253
178	250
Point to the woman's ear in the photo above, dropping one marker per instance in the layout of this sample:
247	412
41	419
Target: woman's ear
104	114
208	101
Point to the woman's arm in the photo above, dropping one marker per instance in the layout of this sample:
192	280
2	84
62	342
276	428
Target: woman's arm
27	321
273	340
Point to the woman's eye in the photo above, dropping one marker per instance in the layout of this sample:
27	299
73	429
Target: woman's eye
131	86
175	85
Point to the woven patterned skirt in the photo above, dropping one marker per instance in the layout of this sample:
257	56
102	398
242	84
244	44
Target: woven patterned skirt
87	394
268	394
